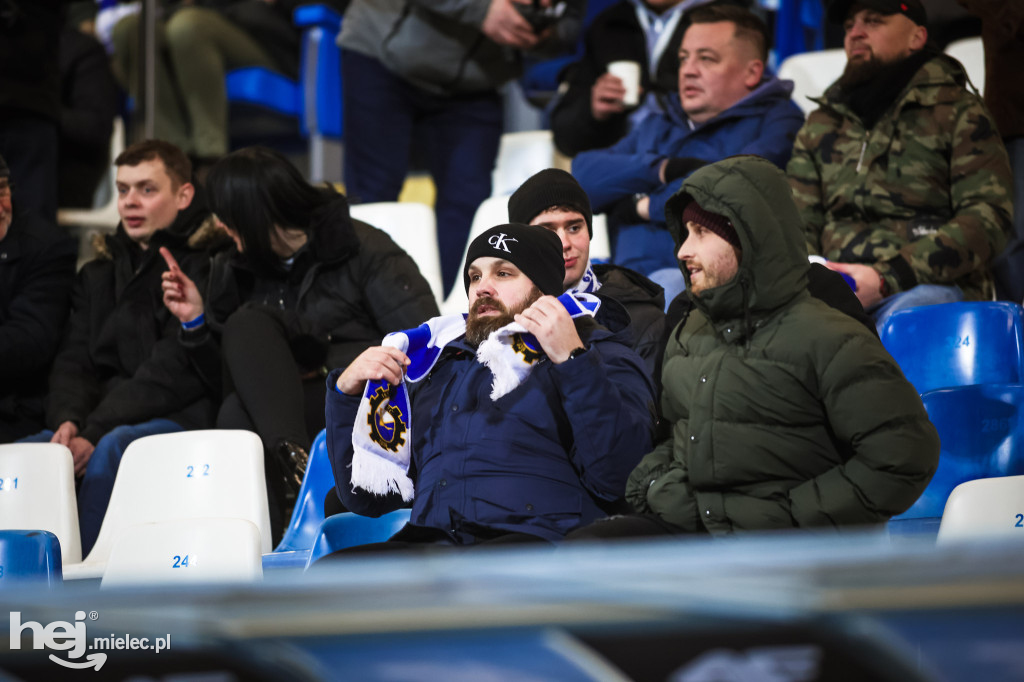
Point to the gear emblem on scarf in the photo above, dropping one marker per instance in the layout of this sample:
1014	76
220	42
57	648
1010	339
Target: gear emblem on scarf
529	354
386	421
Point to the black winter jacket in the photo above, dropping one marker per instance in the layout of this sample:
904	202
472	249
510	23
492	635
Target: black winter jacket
349	287
120	362
37	271
644	301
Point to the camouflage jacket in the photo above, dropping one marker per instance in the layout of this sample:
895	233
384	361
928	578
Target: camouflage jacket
924	197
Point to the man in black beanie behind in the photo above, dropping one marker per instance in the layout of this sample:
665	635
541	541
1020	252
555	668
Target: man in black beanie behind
529	465
552	199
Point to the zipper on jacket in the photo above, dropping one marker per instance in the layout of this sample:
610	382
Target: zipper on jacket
863	148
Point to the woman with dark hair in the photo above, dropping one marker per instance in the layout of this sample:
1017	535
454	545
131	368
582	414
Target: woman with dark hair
305	288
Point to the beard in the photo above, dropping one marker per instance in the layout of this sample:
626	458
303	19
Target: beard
861	71
479	328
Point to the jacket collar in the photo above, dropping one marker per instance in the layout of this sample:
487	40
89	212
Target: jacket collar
770	88
925	88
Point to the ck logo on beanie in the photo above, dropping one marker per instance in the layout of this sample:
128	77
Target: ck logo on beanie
498	241
538	254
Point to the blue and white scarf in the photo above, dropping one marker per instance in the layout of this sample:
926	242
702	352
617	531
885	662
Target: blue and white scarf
588	283
383	427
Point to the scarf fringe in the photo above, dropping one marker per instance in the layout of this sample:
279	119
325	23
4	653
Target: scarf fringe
381	477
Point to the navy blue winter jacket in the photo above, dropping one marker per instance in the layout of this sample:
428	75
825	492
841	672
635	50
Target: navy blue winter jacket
552	455
765	123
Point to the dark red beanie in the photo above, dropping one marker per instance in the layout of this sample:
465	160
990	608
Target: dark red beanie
715	222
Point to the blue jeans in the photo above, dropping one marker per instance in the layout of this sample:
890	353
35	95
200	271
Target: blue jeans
457	137
922	294
98	480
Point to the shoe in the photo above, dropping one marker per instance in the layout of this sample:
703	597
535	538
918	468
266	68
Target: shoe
294	459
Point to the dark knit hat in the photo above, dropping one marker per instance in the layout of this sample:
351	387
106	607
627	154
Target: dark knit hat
5	172
550	187
715	222
534	250
911	9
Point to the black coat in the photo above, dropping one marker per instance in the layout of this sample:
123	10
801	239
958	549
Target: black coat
349	286
89	102
29	78
37	270
121	362
644	301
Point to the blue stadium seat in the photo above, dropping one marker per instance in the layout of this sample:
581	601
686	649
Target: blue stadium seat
982	435
29	556
316	98
799	27
293	550
958	344
348	530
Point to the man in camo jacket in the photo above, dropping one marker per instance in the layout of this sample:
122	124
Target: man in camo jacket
900	176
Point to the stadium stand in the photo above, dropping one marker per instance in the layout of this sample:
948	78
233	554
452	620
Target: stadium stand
37	491
194	550
186	475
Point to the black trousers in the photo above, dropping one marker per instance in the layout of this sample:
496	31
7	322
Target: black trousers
29	146
626	526
425	540
266	393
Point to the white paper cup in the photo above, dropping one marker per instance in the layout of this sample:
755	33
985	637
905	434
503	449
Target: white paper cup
629	74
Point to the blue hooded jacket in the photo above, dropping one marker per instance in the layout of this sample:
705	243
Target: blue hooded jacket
764	123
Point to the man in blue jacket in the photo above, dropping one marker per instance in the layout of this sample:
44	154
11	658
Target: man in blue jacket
548	455
727	105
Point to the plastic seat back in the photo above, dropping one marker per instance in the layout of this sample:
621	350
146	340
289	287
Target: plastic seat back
981	434
958	344
315	99
520	155
413	227
187	475
493	211
600	243
37	492
212	550
348	530
29	556
970	53
812	73
308	513
987	507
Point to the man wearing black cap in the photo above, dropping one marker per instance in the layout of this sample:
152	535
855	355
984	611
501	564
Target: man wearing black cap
552	199
483	457
37	270
900	177
786	413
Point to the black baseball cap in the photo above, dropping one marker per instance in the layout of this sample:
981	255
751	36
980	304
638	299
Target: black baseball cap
911	9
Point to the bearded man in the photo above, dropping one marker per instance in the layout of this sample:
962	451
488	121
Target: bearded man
901	178
515	423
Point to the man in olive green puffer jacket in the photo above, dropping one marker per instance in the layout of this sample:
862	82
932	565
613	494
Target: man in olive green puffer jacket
785	412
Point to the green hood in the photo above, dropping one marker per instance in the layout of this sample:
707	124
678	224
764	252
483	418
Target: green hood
754	194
